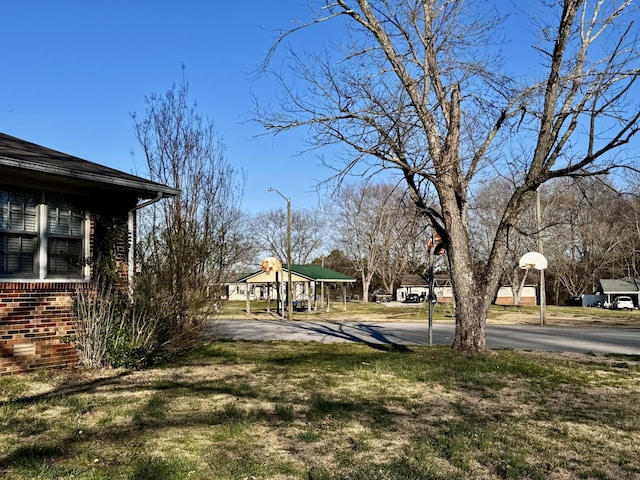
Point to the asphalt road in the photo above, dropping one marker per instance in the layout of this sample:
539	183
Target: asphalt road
563	339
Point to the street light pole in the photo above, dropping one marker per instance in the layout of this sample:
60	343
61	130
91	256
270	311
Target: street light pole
289	283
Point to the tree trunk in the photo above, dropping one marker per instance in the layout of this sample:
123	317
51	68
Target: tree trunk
471	307
471	300
470	326
366	283
517	285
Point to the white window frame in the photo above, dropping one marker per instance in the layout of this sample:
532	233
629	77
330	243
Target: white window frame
41	254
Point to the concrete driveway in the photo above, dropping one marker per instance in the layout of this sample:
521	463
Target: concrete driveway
563	339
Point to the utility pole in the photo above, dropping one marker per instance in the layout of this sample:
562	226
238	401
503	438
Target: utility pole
289	282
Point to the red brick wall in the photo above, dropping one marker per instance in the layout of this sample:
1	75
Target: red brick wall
35	321
505	296
524	301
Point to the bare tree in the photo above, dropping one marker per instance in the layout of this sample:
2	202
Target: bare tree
585	242
269	229
406	242
417	88
630	214
371	225
486	210
188	244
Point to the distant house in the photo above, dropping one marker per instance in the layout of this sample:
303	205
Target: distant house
411	283
444	290
528	296
60	218
610	289
239	290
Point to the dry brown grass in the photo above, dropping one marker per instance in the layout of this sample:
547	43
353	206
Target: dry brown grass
310	411
395	311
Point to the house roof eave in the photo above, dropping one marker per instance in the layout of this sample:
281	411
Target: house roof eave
32	164
616	286
118	179
309	272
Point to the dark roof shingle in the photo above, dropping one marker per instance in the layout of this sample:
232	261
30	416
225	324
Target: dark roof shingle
19	155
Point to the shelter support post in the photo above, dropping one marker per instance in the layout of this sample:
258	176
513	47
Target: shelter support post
328	298
315	297
268	298
248	299
344	297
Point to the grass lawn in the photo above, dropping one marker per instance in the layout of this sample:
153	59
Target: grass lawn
395	311
242	410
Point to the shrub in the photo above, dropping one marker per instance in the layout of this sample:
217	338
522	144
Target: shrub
112	330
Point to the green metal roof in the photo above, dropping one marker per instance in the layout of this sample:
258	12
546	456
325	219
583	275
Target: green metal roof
319	274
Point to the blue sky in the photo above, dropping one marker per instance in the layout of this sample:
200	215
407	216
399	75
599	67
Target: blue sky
73	71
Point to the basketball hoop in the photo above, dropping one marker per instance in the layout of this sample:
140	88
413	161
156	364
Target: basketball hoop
271	264
434	244
533	260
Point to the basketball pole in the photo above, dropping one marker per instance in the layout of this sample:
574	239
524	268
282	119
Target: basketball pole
543	299
431	283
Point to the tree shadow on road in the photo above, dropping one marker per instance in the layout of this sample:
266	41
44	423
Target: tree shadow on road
368	334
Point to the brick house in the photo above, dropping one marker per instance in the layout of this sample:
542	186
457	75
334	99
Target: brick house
60	217
444	290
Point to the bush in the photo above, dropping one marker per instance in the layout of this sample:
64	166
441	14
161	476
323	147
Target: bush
96	310
112	330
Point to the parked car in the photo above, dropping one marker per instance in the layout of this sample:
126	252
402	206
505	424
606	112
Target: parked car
623	303
574	302
379	296
412	298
